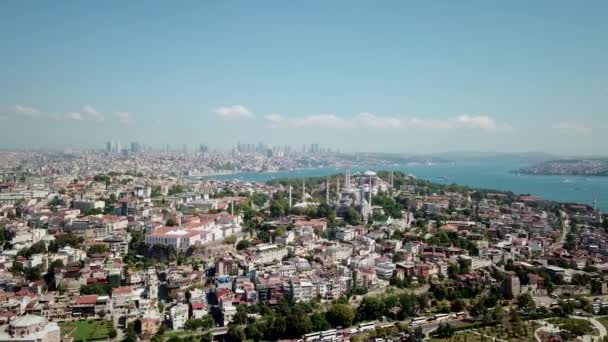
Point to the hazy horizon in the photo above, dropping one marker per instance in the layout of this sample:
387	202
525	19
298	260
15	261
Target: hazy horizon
390	77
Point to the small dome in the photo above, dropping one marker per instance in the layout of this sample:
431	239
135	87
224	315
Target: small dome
369	173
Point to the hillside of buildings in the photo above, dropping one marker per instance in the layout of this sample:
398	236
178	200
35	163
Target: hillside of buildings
354	256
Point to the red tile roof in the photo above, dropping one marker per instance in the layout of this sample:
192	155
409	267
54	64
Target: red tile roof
86	300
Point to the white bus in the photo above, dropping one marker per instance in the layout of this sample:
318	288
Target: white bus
311	337
417	321
441	317
327	333
369	326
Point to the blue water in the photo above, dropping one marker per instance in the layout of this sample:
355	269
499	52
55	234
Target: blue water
490	175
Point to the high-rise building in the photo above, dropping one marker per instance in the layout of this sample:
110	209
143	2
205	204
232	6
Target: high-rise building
135	147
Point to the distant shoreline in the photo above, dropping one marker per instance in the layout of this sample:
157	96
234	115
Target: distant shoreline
528	173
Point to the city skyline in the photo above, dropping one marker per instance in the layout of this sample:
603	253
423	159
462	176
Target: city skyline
407	77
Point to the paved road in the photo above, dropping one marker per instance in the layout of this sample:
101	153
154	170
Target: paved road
565	230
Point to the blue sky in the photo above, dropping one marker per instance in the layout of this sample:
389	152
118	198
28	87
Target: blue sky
394	76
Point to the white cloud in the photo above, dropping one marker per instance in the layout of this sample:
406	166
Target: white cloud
572	128
372	120
26	111
92	113
463	121
376	121
87	112
318	121
74	116
480	121
322	120
124	117
428	123
233	112
274	118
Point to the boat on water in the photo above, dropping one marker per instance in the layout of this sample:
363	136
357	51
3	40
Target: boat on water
566	180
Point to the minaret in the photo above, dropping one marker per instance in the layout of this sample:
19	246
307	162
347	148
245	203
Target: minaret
232	208
370	192
327	190
348	177
595	204
303	191
290	195
338	187
392	179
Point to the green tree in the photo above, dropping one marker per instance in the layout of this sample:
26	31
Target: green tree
498	313
253	332
457	305
131	335
230	240
298	324
175	189
98	249
97	288
259	199
206	337
236	333
319	323
525	302
453	271
242	244
351	216
341	315
276	209
32	273
445	330
370	308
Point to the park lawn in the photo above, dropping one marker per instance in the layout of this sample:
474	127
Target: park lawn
459	337
523	331
86	330
585	326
